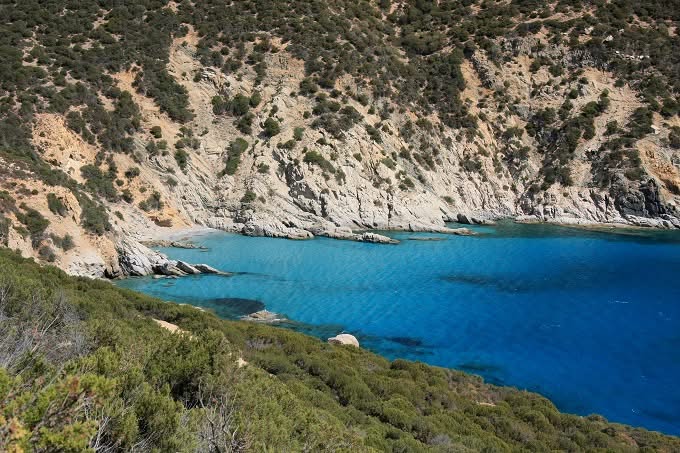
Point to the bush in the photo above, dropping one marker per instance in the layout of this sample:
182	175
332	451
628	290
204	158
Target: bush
255	99
66	243
374	134
182	159
249	197
34	222
674	137
47	254
99	183
55	205
472	165
245	123
236	148
5	225
132	172
93	217
271	127
153	203
314	158
389	163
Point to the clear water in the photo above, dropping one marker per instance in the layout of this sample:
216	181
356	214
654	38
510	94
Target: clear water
589	319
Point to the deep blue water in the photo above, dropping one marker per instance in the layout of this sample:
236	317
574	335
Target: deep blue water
589	319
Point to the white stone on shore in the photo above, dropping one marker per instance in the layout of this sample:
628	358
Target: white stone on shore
344	338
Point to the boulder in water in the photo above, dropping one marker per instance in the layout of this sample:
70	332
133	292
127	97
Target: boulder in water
262	316
344	338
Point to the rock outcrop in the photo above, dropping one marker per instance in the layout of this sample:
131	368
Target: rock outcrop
137	260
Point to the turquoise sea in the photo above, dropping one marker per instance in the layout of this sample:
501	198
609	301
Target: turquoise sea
589	319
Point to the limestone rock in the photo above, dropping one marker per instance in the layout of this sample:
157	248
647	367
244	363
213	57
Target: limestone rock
376	238
205	269
345	339
137	260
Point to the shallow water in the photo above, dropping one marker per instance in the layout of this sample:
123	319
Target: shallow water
589	319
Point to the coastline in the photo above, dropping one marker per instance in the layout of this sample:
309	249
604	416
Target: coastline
139	256
186	234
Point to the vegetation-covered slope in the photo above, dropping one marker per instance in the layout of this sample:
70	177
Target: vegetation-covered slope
83	365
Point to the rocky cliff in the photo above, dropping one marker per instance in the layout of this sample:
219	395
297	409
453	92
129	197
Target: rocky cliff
266	133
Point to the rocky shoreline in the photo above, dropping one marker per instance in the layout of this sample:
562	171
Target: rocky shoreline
137	260
172	244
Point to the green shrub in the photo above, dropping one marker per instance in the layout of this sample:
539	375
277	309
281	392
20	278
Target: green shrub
99	183
315	158
93	216
66	243
182	159
55	205
236	148
5	225
47	254
674	137
132	172
290	144
245	123
374	134
152	203
471	164
249	197
255	99
389	163
34	222
271	127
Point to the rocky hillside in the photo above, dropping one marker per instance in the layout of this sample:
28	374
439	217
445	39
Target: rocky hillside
301	118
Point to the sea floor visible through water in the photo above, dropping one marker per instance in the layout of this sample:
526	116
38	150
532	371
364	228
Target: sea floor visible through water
587	318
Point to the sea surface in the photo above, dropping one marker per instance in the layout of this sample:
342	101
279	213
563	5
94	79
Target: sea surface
590	319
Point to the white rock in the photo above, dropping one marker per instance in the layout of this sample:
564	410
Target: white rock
344	338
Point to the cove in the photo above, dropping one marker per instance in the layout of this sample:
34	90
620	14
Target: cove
589	319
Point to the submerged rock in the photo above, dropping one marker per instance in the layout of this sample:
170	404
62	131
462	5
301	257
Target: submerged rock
344	233
344	338
205	269
235	307
262	316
